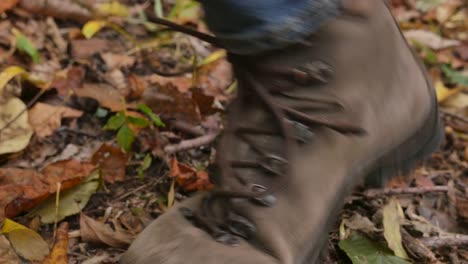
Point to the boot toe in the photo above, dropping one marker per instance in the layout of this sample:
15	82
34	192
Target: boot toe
172	239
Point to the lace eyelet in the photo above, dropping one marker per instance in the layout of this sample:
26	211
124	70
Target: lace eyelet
267	200
240	226
273	164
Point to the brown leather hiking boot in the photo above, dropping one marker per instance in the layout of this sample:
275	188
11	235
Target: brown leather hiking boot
310	122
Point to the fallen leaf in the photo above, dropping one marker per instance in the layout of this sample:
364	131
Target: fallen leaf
189	179
360	223
92	27
426	5
361	250
136	87
185	11
422	180
114	60
430	39
25	45
113	8
59	254
43	74
112	161
26	242
71	201
69	80
7	75
168	102
6	5
97	232
22	189
63	9
392	219
7	253
106	95
45	119
97	259
85	48
443	92
458	101
15	131
183	83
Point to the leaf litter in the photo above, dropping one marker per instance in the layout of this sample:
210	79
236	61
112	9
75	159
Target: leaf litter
160	91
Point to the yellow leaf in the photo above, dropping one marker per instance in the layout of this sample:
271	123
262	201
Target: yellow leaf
15	131
219	54
443	92
10	225
8	74
113	8
92	27
392	220
26	242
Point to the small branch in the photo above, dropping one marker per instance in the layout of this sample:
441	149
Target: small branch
371	193
187	128
457	240
191	143
455	116
418	248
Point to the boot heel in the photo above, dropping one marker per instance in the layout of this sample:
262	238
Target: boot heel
406	157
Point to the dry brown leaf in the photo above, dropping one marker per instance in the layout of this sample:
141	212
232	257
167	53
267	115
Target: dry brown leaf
63	9
59	255
45	119
85	48
21	190
422	180
136	87
112	161
6	5
115	61
7	254
189	179
183	83
97	232
214	78
169	102
106	95
69	80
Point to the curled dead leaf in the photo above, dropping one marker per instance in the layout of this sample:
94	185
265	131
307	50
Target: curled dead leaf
97	232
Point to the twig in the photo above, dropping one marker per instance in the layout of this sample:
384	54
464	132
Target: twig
371	193
187	128
190	143
457	240
416	247
453	115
